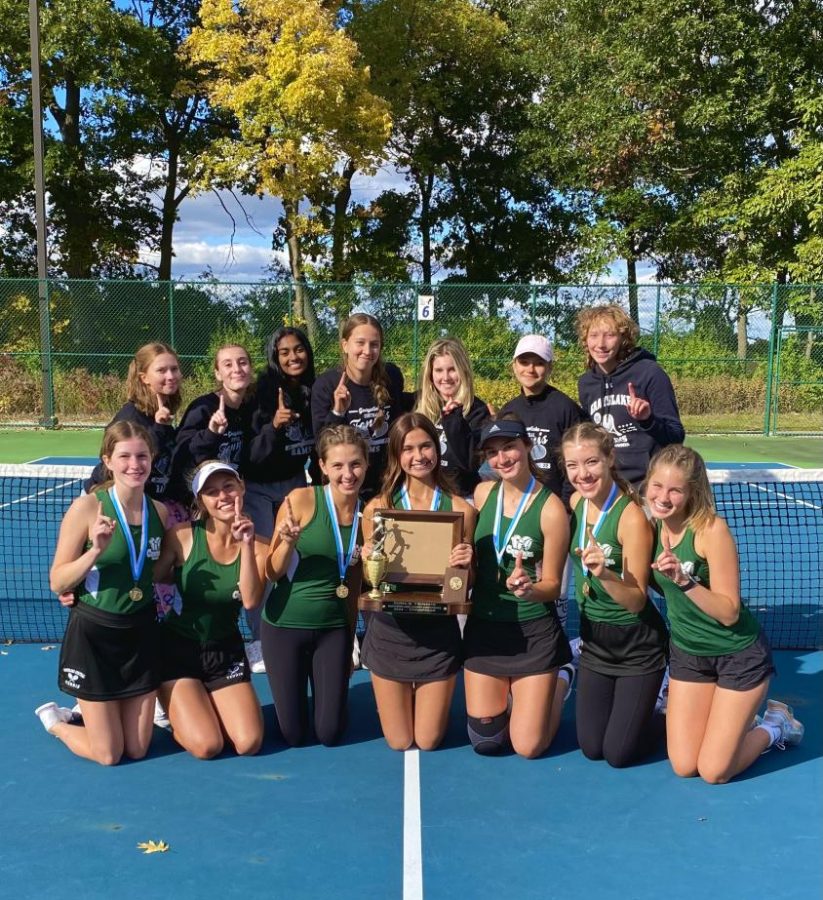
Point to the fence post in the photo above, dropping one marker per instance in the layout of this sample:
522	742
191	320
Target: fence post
767	417
657	321
171	314
415	331
49	419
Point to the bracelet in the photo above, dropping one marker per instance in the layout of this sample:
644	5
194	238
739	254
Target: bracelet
691	583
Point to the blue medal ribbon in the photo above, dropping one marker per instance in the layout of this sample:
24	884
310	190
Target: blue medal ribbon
136	561
600	519
343	560
406	500
499	548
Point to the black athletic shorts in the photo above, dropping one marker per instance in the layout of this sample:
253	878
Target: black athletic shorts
413	648
740	671
514	649
217	664
617	650
108	656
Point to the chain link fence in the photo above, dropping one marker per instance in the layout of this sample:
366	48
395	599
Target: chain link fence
742	359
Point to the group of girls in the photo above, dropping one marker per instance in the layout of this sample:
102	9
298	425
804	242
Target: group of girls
556	492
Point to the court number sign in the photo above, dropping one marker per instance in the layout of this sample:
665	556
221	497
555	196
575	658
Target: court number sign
425	308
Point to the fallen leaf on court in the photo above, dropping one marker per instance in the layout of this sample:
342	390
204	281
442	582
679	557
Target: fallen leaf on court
153	846
8	643
50	647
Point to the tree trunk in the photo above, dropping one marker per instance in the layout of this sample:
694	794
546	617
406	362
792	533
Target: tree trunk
340	271
742	332
425	184
303	308
631	278
78	243
169	214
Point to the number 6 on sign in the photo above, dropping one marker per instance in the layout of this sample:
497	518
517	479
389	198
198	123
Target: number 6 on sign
425	307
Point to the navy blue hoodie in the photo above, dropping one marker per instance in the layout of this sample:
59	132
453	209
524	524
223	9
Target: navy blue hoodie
605	399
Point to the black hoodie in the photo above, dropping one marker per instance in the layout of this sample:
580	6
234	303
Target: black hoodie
605	399
546	416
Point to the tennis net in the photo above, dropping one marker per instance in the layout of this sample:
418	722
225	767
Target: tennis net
776	516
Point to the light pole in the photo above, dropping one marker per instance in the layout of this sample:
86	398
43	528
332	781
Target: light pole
48	420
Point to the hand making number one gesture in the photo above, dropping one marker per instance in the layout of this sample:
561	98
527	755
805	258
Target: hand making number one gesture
289	531
242	528
668	564
519	582
639	408
283	415
592	555
341	396
163	416
218	423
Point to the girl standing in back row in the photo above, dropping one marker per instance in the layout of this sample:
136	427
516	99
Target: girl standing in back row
364	392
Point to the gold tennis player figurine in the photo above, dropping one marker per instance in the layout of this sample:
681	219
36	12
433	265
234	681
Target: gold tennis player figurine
377	562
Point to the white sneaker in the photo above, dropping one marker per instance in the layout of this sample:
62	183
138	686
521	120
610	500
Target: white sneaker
355	653
161	718
781	715
577	646
254	652
50	714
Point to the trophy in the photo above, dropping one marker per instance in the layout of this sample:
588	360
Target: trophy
408	565
376	562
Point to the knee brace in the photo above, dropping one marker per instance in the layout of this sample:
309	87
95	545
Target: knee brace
489	734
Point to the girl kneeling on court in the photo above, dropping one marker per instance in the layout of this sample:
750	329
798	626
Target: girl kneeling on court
414	659
720	660
217	566
308	620
106	551
513	641
623	635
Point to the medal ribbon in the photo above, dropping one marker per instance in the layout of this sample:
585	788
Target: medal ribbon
406	500
136	562
343	560
499	548
600	519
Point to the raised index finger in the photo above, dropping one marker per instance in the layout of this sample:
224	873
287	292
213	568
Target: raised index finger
590	536
342	379
281	399
289	510
222	406
666	539
238	507
632	394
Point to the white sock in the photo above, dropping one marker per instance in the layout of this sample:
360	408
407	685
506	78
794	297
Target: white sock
775	732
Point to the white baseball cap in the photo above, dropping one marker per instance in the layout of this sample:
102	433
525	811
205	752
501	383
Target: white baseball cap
534	343
203	474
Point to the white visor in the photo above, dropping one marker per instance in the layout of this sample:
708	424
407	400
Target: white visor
203	474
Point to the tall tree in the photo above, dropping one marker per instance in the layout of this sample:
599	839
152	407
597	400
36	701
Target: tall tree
293	80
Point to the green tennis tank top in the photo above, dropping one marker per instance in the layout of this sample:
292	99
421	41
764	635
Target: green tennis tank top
694	631
491	600
444	502
108	583
304	597
209	591
592	598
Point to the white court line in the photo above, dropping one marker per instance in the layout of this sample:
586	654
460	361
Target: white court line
786	496
412	837
42	493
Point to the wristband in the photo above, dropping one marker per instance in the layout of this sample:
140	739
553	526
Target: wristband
691	583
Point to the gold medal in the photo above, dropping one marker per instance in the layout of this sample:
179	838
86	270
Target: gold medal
135	594
342	591
455	583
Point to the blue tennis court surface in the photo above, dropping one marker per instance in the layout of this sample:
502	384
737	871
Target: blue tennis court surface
343	822
65	461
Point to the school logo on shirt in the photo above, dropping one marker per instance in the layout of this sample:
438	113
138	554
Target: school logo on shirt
154	548
520	544
688	567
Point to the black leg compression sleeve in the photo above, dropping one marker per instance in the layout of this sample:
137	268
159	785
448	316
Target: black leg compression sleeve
489	734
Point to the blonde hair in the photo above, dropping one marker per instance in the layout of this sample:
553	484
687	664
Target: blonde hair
589	433
615	316
137	391
339	435
429	401
124	430
379	379
699	510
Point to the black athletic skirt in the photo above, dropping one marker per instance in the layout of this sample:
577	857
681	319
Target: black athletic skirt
615	650
108	656
217	664
514	649
413	648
